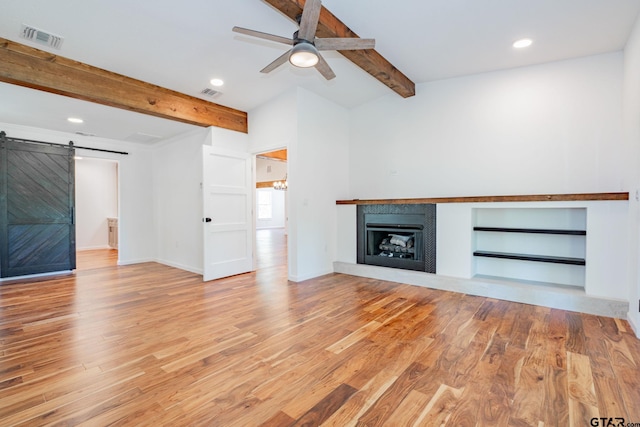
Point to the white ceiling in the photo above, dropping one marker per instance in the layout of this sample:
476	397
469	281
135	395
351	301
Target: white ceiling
181	45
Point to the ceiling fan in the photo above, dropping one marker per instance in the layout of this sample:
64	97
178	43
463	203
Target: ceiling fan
305	51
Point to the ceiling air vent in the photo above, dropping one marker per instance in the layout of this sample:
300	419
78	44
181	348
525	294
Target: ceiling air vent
42	37
85	134
211	93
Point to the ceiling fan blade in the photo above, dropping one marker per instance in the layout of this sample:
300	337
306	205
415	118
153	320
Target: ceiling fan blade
324	68
309	20
262	35
343	43
278	62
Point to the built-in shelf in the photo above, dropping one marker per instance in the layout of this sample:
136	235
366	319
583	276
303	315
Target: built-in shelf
535	258
532	230
533	244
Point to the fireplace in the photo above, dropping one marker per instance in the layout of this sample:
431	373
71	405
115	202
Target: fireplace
397	236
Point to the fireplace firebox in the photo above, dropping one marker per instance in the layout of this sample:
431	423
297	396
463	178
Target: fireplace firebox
397	236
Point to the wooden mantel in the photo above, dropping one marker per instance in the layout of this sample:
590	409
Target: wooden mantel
486	199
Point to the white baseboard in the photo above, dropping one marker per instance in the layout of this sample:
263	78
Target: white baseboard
303	277
135	261
180	266
565	298
633	324
93	248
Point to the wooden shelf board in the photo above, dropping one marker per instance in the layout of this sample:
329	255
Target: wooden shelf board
485	199
527	257
532	230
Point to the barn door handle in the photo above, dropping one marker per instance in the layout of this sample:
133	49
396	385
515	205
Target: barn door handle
206	219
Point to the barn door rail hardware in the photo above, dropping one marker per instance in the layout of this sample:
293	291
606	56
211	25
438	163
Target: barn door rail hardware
4	137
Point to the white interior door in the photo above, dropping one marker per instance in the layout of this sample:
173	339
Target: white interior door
227	205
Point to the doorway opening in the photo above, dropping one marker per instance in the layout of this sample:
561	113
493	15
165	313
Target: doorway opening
97	207
271	207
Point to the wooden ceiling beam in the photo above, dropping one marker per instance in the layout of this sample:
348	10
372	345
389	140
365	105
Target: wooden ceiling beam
367	59
29	67
276	155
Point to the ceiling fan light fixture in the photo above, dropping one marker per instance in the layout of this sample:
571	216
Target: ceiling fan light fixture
304	55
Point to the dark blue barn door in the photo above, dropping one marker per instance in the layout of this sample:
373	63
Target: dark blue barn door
37	200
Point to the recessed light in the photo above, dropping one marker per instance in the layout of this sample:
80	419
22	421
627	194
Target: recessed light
216	82
75	120
77	158
519	44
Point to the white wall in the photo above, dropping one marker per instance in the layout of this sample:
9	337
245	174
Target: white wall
229	139
631	110
136	229
135	223
273	125
552	128
178	200
96	200
318	176
347	231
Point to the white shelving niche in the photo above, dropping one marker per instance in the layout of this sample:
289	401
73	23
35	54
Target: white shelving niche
537	245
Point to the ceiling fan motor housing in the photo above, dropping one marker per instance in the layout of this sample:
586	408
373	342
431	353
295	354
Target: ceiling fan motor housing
297	39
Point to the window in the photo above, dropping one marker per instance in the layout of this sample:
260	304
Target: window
265	206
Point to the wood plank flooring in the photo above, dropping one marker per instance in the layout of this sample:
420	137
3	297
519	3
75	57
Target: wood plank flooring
152	345
96	258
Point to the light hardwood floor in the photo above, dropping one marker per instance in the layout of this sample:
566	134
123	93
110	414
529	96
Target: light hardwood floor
152	345
88	260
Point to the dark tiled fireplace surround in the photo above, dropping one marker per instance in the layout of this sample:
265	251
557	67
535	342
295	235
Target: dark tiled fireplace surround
412	223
